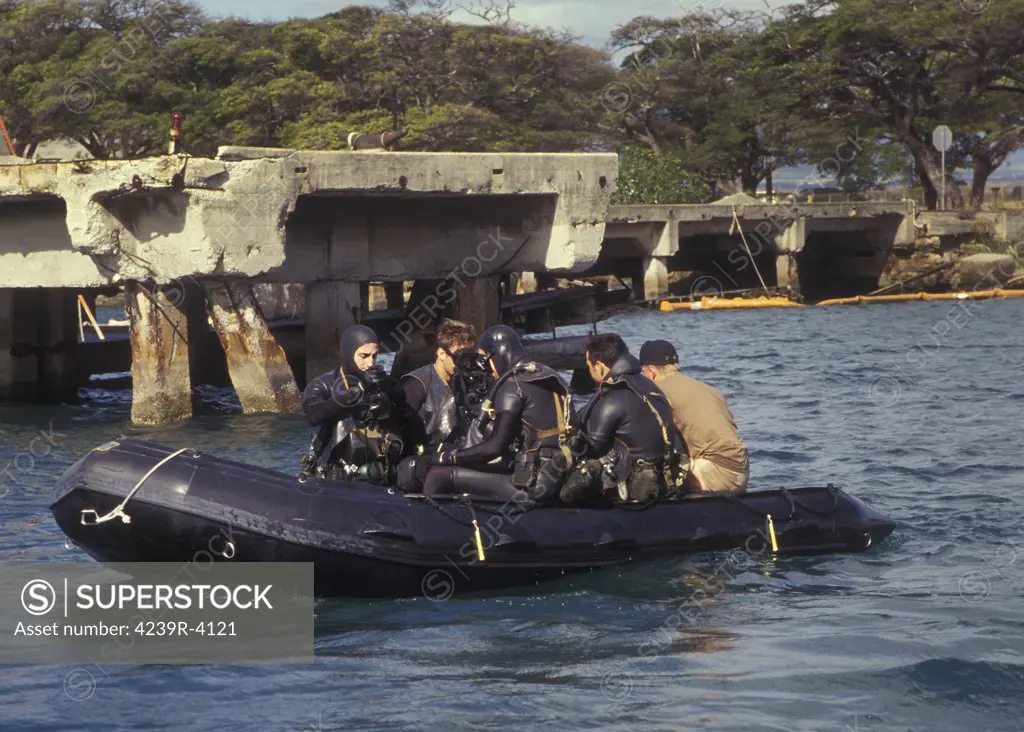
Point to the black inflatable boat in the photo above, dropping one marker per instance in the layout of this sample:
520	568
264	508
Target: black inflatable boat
136	501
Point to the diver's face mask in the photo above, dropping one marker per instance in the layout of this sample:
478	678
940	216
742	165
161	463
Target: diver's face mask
472	375
469	360
377	404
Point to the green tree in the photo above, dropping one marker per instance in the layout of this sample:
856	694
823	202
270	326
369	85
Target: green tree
648	177
884	64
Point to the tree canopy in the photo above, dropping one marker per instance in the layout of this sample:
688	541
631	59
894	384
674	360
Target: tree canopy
698	104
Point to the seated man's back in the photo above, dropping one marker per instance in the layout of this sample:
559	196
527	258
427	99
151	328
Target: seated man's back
628	429
718	455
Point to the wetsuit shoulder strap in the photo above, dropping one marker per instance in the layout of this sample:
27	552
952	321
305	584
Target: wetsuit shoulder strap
666	468
563	422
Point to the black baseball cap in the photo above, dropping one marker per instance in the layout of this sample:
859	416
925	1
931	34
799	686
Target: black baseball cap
658	353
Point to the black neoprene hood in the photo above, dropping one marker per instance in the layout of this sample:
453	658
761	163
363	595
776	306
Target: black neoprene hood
352	339
503	346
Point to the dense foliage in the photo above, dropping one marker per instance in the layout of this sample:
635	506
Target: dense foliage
698	103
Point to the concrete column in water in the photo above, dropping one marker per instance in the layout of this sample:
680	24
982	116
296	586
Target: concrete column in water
158	331
473	300
19	370
788	244
655	278
331	306
38	338
394	294
478	302
411	340
200	356
58	338
257	364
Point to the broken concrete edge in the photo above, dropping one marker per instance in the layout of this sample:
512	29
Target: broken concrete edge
112	206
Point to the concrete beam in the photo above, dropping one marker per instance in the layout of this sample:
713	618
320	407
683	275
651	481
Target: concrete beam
695	213
298	216
259	370
652	238
281	300
158	331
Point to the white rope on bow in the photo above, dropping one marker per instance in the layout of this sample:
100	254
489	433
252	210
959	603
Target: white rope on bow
118	510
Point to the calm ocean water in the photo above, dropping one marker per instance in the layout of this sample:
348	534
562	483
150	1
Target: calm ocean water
914	407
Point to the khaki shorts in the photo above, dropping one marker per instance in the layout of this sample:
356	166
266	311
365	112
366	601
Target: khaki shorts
714	477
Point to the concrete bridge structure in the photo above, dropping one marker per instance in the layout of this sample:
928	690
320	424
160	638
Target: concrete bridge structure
206	249
188	238
816	249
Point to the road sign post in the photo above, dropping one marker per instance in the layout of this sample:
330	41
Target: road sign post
942	139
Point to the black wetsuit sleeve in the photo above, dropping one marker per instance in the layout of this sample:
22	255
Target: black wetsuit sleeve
505	426
410	397
318	403
414	393
509	405
603	424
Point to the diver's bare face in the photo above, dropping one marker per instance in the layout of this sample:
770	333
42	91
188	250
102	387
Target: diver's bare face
598	370
444	361
365	356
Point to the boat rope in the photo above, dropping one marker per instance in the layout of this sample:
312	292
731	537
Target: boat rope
737	225
434	504
118	510
793	503
634	505
793	500
473	524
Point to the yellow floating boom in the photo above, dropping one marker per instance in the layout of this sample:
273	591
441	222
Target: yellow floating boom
907	297
721	303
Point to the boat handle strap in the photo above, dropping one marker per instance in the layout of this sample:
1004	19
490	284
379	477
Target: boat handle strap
118	510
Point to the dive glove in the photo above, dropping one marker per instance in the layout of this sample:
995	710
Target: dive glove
346	397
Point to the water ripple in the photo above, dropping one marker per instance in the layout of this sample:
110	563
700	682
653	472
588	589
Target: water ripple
923	632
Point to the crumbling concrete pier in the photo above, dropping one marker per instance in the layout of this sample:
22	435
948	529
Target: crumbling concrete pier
329	221
740	243
815	250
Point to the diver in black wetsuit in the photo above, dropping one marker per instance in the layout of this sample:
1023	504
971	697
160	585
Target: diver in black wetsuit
628	440
432	413
532	421
354	410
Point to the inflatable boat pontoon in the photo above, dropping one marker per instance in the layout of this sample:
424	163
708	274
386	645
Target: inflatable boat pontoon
137	501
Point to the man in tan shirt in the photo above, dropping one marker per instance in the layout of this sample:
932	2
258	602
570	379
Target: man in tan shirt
718	456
